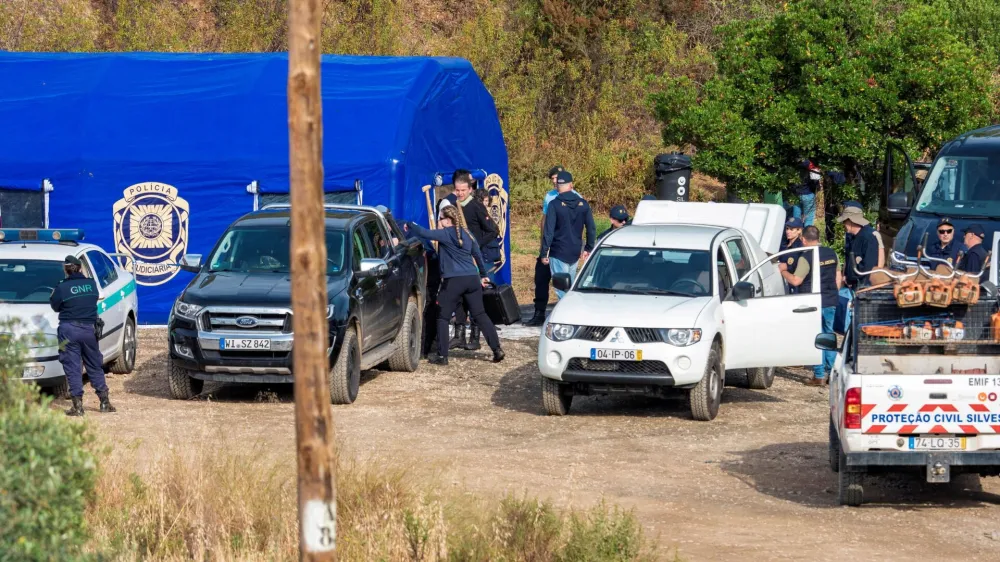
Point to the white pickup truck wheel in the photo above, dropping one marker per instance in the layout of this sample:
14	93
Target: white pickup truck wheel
760	378
555	399
834	449
706	397
851	489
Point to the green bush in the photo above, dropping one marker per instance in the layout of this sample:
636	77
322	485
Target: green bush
47	470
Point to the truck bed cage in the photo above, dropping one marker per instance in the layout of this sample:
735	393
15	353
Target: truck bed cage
879	308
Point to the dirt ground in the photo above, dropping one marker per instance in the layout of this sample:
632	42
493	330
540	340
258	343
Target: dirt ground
753	484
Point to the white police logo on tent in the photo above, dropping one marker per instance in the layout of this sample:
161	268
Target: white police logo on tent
151	226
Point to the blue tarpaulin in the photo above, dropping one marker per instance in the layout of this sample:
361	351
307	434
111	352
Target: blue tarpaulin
152	154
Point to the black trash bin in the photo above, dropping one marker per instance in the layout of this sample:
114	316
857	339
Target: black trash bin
673	177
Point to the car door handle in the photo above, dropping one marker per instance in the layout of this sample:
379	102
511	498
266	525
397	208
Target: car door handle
802	309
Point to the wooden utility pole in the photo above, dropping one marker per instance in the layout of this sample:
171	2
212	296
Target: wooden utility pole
313	420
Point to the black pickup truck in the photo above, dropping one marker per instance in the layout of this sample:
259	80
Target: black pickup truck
233	322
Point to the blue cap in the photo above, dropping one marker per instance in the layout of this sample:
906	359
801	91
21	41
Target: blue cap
794	223
619	213
976	229
852	204
564	177
648	198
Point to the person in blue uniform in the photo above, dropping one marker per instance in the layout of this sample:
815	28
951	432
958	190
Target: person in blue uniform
463	275
619	218
75	299
945	247
543	273
974	259
864	247
792	239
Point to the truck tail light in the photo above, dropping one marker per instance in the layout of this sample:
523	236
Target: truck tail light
852	408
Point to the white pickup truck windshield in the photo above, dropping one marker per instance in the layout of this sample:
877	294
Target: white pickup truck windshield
29	281
647	271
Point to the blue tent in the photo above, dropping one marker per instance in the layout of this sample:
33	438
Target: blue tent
154	155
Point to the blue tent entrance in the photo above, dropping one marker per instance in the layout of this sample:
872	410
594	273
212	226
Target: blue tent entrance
156	154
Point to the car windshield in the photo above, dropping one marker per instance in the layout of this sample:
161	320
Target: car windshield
962	186
645	271
248	250
29	281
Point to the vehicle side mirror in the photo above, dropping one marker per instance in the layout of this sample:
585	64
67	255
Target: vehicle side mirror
899	205
826	342
373	267
743	290
561	281
191	263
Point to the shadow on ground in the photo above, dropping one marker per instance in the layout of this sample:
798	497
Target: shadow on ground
520	391
800	473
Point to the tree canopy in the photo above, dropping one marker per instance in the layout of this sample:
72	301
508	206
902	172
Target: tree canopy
830	81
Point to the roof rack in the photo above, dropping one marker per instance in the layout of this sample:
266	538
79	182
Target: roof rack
378	210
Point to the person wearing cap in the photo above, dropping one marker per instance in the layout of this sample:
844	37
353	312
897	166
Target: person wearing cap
543	273
75	299
864	250
945	247
619	218
974	259
792	240
568	214
800	277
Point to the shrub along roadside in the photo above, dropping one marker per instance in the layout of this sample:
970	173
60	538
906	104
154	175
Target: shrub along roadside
226	502
47	468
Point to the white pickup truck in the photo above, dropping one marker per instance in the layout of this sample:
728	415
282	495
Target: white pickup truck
673	301
903	402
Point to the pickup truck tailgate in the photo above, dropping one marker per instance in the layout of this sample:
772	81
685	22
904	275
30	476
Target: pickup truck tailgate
955	404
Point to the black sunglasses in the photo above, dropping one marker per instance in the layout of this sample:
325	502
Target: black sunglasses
948	231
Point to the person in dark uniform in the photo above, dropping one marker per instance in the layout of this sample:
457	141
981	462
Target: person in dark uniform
801	278
484	230
974	259
75	299
463	275
945	247
864	247
543	273
792	240
619	218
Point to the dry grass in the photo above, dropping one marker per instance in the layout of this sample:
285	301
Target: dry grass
232	503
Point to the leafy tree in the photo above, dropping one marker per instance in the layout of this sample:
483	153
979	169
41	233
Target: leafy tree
831	81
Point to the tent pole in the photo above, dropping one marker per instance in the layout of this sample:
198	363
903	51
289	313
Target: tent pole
314	431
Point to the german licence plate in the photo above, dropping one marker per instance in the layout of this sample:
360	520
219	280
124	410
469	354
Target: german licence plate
937	443
615	354
245	343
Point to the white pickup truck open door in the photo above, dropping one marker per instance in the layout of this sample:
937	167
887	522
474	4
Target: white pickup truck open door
776	331
764	222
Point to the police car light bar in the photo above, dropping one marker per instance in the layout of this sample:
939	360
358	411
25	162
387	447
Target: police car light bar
40	235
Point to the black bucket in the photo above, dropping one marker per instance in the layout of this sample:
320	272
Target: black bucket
673	177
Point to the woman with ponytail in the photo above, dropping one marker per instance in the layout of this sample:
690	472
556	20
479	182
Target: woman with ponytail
463	274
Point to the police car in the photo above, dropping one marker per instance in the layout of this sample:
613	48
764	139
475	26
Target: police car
672	301
31	265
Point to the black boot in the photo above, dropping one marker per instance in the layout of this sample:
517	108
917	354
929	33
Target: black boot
77	409
106	407
498	355
459	340
537	320
473	343
438	360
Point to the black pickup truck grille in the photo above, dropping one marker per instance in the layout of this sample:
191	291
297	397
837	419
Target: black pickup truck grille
273	322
